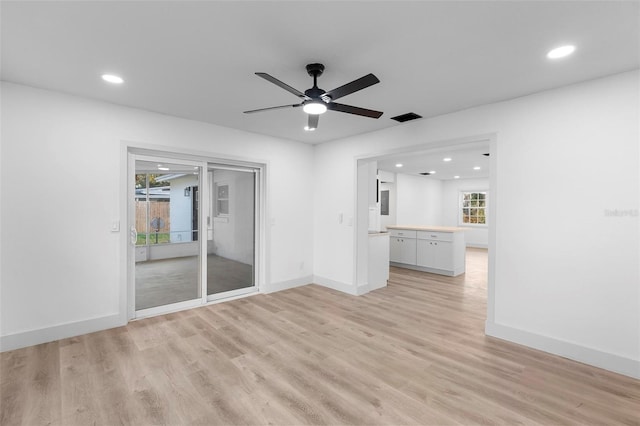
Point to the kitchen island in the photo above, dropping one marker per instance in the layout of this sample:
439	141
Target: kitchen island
435	249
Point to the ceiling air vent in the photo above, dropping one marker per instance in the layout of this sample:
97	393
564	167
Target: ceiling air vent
406	117
487	154
425	173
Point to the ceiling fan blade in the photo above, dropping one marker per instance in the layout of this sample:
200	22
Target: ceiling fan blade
354	86
281	84
313	121
334	106
275	107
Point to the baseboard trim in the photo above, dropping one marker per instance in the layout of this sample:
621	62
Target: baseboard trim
57	332
608	361
285	285
336	285
454	273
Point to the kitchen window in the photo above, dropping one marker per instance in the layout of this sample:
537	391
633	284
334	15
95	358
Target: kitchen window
473	207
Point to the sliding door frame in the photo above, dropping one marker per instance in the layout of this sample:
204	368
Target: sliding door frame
130	154
257	178
170	307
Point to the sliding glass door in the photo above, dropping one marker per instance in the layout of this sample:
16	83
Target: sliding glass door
231	230
194	228
167	247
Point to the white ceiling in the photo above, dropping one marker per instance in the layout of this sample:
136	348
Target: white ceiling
462	162
197	59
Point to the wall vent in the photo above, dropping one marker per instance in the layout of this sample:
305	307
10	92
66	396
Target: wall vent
406	117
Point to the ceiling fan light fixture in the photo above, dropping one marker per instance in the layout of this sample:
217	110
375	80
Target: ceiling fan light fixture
315	107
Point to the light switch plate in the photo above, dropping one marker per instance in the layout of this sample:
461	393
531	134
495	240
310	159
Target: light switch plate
115	226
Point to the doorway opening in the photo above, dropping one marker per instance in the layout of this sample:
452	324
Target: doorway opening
426	185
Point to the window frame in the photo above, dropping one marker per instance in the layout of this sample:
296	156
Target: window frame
485	207
218	213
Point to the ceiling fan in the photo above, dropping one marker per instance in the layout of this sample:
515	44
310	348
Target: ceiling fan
316	101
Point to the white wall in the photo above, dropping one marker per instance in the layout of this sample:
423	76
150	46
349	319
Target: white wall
57	277
566	275
233	235
419	200
180	209
475	236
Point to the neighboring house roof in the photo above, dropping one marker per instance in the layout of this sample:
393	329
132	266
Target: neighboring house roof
159	192
169	177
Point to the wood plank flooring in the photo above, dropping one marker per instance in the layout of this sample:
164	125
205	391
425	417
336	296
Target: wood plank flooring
411	353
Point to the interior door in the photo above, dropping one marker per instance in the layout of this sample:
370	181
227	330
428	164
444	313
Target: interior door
168	261
231	230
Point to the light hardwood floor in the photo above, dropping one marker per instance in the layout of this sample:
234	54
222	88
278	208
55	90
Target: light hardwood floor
411	353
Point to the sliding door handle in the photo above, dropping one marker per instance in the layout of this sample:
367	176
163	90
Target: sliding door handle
133	234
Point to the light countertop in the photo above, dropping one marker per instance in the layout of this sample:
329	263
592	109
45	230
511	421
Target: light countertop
429	228
377	234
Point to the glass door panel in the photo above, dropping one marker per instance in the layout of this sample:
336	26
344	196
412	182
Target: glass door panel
167	252
231	229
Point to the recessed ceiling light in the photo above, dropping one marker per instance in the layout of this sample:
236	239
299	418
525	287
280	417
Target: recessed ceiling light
456	177
432	172
446	159
476	168
309	129
561	52
399	165
163	168
110	78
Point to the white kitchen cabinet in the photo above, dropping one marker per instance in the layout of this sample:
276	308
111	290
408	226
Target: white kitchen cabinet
402	246
402	250
439	250
378	268
435	254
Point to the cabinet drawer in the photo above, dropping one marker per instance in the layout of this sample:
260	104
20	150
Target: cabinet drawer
438	236
402	233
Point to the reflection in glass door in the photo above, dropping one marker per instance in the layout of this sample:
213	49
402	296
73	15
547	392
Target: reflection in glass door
231	230
167	251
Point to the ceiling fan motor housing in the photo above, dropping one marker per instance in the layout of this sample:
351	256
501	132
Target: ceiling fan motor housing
315	70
